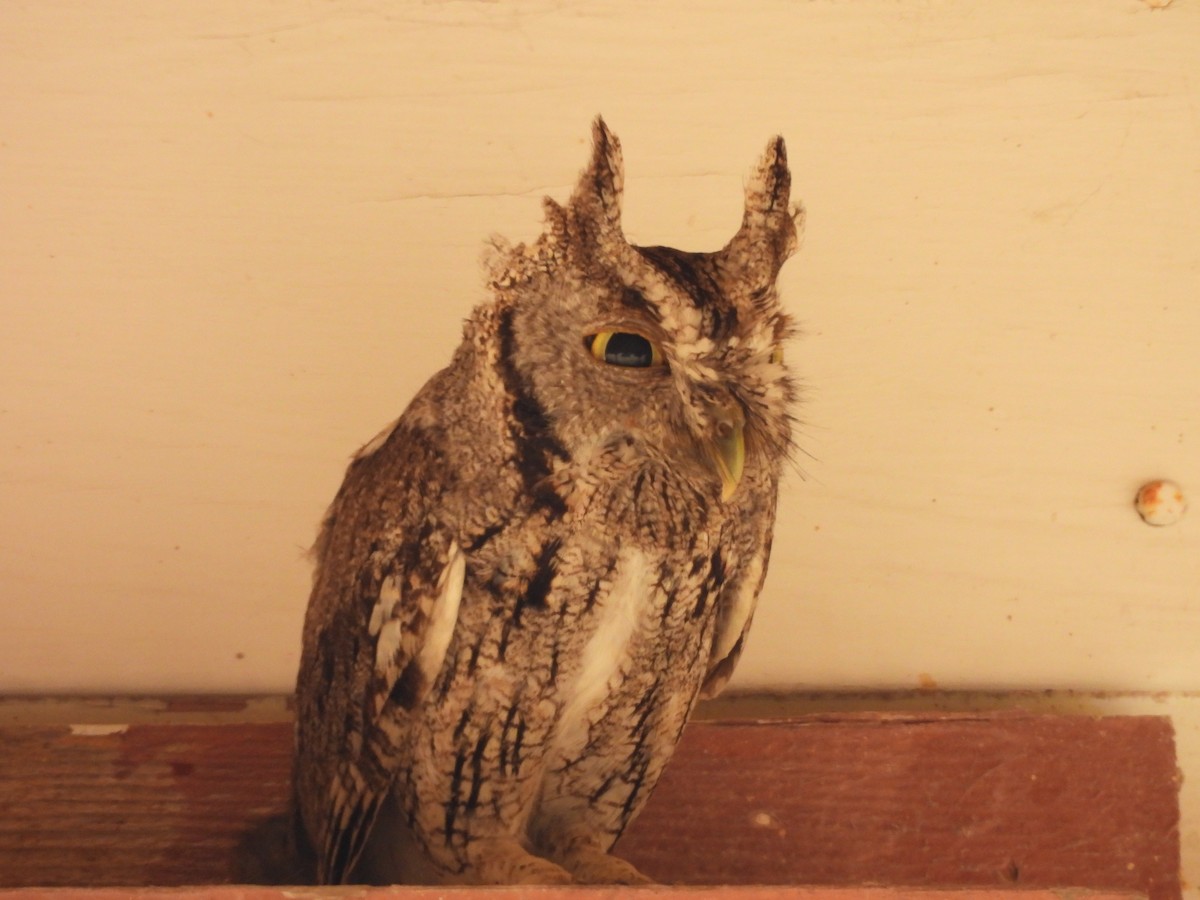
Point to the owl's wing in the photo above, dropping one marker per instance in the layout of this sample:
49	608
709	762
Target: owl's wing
385	604
410	625
735	611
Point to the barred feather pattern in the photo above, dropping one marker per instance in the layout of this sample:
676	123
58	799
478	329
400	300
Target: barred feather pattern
525	582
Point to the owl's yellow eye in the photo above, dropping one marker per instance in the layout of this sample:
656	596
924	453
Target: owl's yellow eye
777	356
624	348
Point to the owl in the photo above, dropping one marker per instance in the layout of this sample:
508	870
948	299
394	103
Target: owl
525	583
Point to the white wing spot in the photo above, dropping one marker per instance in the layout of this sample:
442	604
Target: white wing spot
389	596
444	615
743	605
387	644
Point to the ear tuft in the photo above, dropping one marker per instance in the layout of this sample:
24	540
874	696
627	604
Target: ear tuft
768	235
771	181
598	194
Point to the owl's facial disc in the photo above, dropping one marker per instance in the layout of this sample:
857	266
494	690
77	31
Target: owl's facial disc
626	350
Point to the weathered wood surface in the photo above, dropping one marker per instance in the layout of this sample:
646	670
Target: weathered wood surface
723	892
989	801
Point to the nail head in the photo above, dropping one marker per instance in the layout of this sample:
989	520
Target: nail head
1160	502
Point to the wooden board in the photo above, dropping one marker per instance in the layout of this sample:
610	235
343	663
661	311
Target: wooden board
1007	800
759	892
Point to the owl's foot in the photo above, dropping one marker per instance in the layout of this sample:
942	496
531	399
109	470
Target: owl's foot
580	850
590	866
394	855
505	861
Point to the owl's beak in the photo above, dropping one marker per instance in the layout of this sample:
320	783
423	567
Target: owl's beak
729	456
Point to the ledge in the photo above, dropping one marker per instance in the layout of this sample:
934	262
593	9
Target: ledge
979	802
760	892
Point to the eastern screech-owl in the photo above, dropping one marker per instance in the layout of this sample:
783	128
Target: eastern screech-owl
525	583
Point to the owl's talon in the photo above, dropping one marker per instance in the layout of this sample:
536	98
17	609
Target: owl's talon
595	867
505	861
579	850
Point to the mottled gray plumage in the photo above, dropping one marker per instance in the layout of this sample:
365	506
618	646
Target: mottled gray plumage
525	583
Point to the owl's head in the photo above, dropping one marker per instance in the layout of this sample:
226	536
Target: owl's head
680	352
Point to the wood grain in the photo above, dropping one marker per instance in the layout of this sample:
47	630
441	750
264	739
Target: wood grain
773	892
996	801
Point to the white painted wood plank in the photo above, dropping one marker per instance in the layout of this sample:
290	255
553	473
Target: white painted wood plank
238	237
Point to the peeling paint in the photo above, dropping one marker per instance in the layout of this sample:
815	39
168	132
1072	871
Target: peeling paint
98	730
